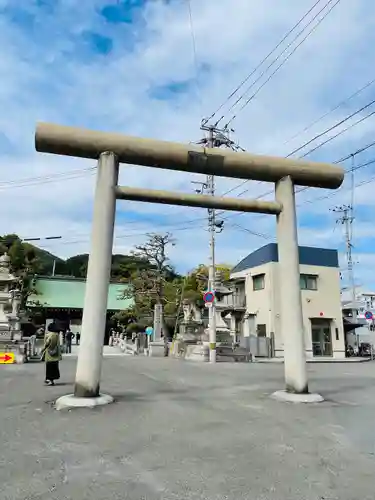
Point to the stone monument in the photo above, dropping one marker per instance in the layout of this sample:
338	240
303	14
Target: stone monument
191	341
191	328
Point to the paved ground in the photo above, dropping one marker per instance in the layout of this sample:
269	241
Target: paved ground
188	431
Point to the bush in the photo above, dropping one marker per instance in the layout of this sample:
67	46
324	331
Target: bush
135	328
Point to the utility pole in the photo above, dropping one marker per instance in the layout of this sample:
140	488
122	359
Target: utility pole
346	219
212	268
215	138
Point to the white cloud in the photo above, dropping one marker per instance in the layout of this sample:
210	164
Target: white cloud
48	73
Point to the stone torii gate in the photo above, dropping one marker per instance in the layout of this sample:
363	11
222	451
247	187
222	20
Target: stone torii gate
111	149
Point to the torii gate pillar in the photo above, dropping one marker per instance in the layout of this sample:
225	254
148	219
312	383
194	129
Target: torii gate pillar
290	293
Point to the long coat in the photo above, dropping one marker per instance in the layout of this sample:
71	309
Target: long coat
50	343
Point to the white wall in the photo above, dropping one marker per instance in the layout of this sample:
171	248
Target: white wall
324	303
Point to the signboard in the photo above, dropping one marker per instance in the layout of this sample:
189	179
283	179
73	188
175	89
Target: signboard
6	358
149	330
209	297
368	315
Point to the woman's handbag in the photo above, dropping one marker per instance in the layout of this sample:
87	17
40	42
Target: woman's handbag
53	351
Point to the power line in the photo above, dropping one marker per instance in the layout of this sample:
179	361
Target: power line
146	233
237	186
238	226
305	188
335	193
193	221
194	47
176	225
45	179
320	145
285	60
336	107
338	134
58	177
320	198
260	64
235	225
125	236
355	168
254	233
141	228
361	150
81	172
331	128
277	58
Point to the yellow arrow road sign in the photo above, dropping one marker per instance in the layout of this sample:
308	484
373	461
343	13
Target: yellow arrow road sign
6	358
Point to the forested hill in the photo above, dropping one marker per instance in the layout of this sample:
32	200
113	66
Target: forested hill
26	257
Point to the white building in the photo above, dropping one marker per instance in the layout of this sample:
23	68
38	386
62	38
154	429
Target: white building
253	310
363	330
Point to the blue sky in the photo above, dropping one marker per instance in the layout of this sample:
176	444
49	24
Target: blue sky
129	66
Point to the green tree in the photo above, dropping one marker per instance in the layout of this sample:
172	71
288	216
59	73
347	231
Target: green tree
124	318
201	272
77	265
152	284
17	256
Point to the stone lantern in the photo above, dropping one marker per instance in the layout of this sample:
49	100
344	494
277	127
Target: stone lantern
10	303
7	281
14	316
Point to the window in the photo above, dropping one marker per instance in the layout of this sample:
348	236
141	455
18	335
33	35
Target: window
258	282
308	282
261	331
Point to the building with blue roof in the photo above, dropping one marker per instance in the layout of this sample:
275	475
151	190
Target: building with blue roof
253	309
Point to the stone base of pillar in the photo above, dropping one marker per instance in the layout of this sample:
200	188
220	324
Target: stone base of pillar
291	397
156	349
70	401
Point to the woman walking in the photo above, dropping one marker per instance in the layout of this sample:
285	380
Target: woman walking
51	354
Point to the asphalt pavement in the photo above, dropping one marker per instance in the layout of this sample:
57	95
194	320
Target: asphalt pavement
181	430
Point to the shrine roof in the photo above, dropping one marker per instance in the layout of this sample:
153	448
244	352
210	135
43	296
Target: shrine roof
69	293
